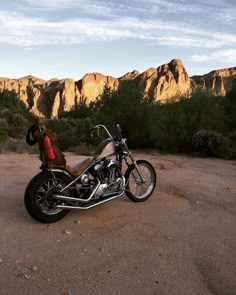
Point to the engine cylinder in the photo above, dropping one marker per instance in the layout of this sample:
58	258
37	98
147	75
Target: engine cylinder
84	178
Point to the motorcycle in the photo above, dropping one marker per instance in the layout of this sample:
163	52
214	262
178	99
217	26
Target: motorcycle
51	194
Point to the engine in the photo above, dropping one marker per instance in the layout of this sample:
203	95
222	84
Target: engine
109	174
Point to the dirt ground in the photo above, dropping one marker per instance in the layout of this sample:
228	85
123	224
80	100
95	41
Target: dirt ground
180	241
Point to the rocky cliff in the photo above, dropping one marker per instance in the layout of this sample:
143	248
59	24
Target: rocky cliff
48	98
164	82
218	81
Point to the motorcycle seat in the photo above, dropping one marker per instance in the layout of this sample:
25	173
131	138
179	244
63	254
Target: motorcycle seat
79	168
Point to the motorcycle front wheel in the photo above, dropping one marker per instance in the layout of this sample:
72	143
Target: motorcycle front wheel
39	200
136	190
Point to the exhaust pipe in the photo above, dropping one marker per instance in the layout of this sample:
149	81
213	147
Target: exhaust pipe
89	206
66	198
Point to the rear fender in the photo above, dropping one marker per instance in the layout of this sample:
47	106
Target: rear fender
58	170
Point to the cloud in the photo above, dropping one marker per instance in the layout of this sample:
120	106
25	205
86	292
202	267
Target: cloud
54	4
226	56
24	30
89	7
220	10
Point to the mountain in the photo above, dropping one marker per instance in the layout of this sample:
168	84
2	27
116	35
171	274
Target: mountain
219	81
48	98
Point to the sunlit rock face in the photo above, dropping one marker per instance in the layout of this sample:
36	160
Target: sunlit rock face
218	81
91	86
167	81
49	98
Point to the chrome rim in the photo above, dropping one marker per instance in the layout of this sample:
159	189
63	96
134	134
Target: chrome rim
44	196
136	187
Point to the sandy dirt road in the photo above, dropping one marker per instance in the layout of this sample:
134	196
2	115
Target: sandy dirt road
181	241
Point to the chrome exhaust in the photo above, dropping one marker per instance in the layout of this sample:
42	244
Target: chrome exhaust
89	206
66	198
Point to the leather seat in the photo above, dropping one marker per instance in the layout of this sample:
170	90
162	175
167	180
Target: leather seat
79	168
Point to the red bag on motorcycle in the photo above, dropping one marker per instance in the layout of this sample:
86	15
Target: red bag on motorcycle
48	148
50	154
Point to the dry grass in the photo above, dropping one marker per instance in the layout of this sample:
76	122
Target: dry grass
18	146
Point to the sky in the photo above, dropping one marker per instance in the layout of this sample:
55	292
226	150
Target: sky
69	38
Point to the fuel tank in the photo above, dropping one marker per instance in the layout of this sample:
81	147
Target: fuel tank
104	149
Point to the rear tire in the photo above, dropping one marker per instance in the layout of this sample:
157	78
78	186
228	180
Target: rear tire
135	189
39	201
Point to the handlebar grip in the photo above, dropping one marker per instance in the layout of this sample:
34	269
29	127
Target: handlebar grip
119	130
93	128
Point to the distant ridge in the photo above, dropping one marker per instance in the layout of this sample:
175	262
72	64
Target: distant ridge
48	98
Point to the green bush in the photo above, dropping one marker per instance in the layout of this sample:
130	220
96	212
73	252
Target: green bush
70	132
3	134
210	143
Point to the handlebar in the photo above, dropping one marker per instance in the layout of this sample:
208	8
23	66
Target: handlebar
119	131
102	126
106	130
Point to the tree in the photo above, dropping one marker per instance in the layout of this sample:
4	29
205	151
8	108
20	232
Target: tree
230	107
125	106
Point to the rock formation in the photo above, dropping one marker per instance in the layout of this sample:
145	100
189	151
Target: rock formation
167	81
92	85
218	81
48	98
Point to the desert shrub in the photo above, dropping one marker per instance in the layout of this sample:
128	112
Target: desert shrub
16	132
210	143
81	111
9	116
3	123
230	107
19	120
3	129
232	148
173	124
66	140
70	132
18	146
3	133
83	149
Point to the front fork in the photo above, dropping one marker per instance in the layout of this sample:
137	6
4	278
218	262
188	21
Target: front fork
133	162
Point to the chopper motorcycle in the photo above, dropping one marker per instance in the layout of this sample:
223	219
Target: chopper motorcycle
53	192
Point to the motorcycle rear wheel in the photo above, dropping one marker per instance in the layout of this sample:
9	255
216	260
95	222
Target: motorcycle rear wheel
135	189
39	201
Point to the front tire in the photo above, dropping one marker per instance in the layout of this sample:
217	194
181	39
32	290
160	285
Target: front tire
39	201
135	189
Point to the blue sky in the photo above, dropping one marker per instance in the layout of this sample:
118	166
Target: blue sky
69	38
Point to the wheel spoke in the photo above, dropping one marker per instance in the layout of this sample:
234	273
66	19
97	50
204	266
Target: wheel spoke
44	196
136	186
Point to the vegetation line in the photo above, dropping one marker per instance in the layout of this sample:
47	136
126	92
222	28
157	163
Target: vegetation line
202	123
